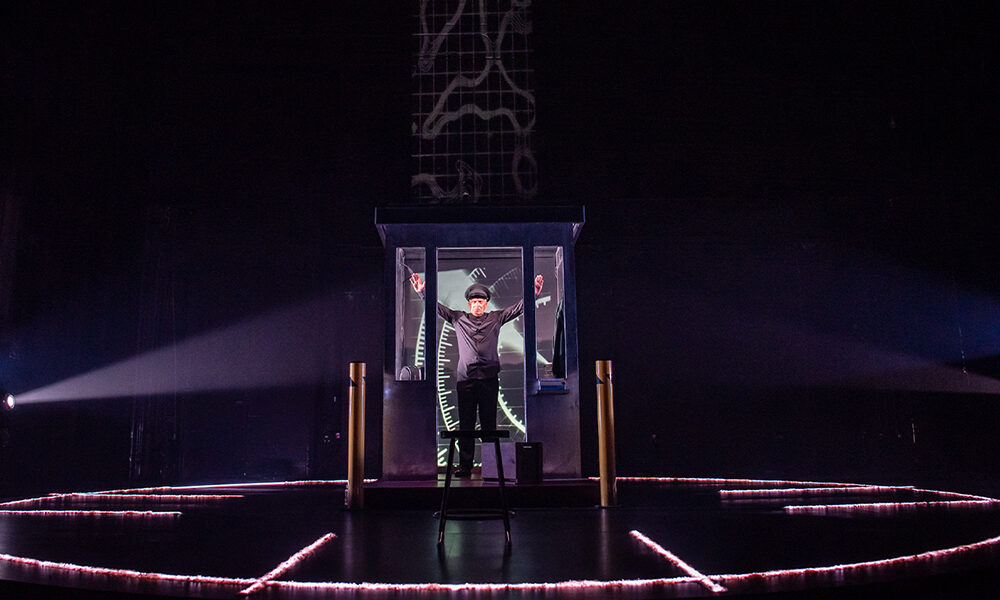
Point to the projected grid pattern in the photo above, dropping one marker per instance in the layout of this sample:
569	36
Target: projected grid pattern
474	105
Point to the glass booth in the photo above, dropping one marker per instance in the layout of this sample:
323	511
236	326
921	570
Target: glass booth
450	248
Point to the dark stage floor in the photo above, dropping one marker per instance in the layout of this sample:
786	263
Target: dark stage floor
666	538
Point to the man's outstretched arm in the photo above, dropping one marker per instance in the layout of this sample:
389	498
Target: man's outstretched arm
515	310
419	286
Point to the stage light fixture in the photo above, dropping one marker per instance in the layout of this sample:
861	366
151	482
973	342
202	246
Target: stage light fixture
8	401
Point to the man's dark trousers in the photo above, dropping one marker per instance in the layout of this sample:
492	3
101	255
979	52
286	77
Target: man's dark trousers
475	395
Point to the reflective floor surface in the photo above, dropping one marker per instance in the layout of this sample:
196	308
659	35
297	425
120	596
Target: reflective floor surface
665	538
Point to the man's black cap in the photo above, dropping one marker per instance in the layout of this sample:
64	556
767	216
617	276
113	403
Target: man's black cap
477	290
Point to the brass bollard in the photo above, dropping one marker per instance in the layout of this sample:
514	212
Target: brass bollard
356	438
606	433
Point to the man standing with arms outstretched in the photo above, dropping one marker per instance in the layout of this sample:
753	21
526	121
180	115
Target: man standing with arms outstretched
477	376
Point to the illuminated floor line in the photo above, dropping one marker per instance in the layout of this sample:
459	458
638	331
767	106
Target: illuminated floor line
813	491
152	491
37	500
797	578
839	572
955	495
677	562
476	589
90	498
238	484
129	574
887	508
160	497
723	481
288	564
93	513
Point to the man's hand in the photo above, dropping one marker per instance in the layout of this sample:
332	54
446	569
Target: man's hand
418	286
538	284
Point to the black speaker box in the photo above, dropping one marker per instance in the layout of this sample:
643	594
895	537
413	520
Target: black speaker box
529	462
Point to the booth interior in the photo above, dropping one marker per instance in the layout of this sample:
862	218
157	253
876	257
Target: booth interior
451	247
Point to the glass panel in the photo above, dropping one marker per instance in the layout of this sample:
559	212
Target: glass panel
499	269
550	320
409	315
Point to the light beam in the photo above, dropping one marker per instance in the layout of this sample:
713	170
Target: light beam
282	349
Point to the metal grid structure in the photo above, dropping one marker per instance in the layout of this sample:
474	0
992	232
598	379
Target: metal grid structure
474	105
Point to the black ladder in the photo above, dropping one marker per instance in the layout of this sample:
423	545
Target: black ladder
477	514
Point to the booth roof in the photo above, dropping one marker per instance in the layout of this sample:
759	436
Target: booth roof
399	215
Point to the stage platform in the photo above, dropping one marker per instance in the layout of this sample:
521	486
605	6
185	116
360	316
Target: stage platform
666	537
474	492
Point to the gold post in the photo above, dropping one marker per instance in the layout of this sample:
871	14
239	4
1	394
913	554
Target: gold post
606	433
356	438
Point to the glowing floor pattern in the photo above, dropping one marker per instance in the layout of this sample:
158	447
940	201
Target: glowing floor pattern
260	520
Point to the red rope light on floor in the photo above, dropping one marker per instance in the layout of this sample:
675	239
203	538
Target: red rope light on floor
288	564
160	497
432	589
955	495
777	579
813	491
217	486
93	513
32	501
839	573
158	492
833	573
889	508
58	499
91	498
123	573
677	562
722	481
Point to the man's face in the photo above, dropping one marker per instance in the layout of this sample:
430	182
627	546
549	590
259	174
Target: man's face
477	306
